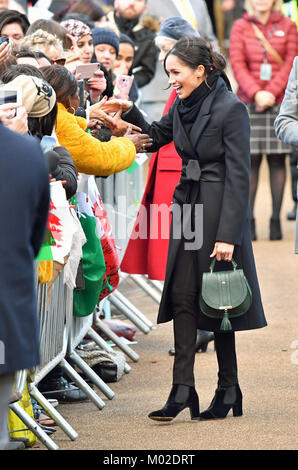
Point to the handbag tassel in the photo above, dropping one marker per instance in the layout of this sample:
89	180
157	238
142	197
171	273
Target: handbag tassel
225	324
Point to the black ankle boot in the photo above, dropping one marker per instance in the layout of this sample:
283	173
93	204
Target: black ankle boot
275	229
181	397
224	400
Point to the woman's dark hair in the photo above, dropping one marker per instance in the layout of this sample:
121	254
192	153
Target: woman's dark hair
52	27
194	51
8	61
20	69
14	16
62	80
43	126
37	126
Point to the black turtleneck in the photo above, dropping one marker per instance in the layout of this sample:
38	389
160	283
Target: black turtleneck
189	108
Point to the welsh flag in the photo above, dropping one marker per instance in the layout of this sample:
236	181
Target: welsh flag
53	234
60	226
94	268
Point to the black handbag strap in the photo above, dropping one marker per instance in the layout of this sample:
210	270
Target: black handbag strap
214	261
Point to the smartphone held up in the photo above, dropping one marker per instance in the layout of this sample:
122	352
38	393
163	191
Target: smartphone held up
86	71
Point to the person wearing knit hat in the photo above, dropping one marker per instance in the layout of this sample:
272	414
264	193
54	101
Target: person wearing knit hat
76	28
38	97
106	46
176	27
125	38
82	48
171	30
82	52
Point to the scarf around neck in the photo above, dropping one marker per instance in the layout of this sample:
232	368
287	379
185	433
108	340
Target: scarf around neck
189	108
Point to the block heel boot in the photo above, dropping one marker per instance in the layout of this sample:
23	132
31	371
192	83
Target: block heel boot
223	401
181	397
275	229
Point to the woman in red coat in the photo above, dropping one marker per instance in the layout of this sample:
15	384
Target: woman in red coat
263	44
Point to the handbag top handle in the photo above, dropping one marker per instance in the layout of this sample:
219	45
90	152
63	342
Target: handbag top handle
214	261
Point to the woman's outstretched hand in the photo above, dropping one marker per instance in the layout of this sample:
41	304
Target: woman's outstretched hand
223	251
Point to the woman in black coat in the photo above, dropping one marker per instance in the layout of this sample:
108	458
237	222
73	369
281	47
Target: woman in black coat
210	129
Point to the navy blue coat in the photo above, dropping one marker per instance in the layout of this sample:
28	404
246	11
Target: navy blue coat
24	199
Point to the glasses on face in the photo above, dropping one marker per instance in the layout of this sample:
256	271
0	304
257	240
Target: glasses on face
58	62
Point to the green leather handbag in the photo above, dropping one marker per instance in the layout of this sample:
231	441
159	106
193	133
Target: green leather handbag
225	294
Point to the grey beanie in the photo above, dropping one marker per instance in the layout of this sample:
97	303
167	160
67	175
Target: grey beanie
176	27
105	36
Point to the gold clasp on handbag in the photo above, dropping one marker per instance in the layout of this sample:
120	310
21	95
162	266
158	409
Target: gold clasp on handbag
227	307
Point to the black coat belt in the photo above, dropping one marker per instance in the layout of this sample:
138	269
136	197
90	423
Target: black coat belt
192	173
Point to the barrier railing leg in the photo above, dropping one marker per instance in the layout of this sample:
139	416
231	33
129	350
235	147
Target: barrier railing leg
138	279
157	284
82	384
33	426
91	375
129	314
53	413
102	343
121	345
135	310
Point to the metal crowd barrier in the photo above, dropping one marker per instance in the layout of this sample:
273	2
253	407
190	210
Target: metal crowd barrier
79	329
61	332
30	423
55	323
55	319
121	194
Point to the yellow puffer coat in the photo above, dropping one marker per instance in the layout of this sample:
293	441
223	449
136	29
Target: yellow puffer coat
89	155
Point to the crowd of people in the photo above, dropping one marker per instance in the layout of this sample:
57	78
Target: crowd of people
107	80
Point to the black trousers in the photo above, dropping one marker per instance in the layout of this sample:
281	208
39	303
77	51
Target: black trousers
184	297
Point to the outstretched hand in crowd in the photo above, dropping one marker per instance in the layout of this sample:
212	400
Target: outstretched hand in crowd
108	113
17	123
141	141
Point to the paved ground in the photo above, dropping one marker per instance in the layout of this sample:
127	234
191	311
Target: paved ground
268	366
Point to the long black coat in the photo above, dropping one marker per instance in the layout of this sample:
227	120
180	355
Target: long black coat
219	142
24	196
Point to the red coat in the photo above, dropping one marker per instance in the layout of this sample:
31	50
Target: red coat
148	254
246	55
